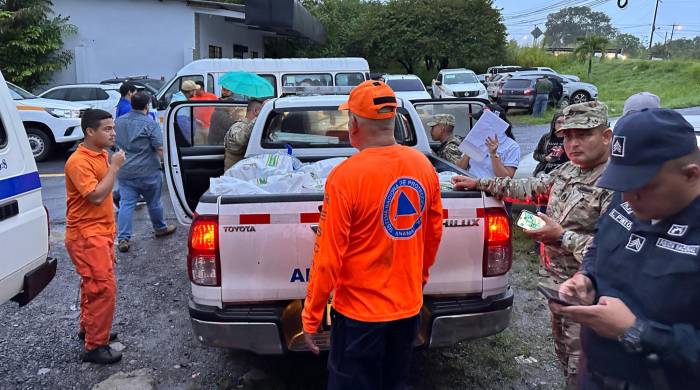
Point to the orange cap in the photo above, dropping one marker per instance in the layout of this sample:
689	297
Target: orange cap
370	100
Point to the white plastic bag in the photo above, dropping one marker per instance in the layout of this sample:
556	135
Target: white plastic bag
225	185
264	165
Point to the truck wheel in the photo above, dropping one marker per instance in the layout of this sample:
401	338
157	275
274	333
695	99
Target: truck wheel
580	97
40	143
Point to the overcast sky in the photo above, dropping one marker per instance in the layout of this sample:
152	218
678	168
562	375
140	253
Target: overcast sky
521	16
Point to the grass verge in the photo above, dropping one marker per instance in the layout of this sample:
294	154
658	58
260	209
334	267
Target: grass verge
677	83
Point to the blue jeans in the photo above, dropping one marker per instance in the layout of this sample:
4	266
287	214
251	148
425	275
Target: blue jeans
540	104
129	190
370	355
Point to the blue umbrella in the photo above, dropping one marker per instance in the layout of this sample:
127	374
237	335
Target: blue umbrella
246	83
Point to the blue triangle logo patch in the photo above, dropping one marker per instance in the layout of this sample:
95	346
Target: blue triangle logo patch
405	207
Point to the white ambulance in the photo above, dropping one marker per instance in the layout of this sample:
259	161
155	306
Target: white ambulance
25	268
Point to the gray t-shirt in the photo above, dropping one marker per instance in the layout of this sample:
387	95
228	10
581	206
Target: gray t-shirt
139	136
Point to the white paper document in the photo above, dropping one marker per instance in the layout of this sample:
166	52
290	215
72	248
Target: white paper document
489	125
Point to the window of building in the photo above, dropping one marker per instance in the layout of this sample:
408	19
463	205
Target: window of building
215	51
239	51
254	54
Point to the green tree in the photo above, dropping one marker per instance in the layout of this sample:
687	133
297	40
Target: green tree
31	41
565	26
630	44
588	46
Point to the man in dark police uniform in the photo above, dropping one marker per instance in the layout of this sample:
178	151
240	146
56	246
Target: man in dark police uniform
642	272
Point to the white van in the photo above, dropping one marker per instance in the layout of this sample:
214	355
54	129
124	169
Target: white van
281	72
25	268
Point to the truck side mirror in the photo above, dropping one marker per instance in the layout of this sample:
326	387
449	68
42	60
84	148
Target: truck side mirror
438	83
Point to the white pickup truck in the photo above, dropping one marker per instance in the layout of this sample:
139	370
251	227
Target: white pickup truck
249	256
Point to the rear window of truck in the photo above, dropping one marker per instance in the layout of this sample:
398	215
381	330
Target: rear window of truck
321	128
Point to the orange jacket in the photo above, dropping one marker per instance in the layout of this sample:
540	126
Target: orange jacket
378	235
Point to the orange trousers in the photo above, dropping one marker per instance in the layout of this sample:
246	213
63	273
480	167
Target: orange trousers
93	258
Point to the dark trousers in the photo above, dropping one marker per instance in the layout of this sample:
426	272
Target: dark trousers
370	355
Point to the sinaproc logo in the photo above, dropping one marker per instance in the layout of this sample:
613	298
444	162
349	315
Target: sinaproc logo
403	208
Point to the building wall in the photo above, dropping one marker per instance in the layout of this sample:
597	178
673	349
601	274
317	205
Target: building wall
217	31
126	37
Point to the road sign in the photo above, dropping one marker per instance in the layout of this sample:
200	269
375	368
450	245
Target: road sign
536	33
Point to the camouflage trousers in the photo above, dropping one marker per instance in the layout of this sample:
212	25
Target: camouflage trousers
567	341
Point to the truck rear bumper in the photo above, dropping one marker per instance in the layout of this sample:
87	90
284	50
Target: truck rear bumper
35	281
258	337
276	328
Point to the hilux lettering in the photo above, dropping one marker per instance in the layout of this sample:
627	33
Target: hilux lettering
460	222
298	276
239	229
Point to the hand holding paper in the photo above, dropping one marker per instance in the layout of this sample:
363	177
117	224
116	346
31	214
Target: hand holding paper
489	125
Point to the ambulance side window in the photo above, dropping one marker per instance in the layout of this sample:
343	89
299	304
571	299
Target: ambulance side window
3	135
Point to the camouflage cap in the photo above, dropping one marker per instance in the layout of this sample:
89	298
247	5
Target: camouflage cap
442	119
584	116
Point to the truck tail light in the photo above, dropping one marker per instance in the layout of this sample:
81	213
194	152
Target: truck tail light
498	251
528	92
203	262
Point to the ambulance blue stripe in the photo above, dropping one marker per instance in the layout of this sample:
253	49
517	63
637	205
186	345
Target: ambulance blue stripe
13	186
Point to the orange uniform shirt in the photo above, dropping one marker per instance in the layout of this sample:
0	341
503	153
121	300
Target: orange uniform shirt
379	233
84	169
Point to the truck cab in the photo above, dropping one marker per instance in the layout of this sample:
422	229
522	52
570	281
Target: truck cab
249	255
24	227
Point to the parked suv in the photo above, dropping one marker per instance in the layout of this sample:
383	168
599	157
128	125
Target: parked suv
102	96
407	86
519	91
48	122
455	83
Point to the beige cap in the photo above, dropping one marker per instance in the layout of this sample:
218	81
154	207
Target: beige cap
188	86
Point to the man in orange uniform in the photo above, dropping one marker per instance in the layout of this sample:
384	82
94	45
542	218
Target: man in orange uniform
378	235
90	232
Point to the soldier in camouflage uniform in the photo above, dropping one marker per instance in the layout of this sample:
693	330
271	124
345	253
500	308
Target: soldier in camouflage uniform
575	203
237	137
442	130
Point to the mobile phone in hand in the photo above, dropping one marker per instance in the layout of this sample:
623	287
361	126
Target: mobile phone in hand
530	221
560	298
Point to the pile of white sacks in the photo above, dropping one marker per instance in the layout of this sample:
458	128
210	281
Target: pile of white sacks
282	174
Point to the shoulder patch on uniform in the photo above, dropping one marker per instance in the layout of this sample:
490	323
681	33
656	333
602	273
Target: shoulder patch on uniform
677	247
618	146
403	208
677	230
635	243
621	219
626	206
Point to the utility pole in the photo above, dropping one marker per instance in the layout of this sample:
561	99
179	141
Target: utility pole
672	30
653	27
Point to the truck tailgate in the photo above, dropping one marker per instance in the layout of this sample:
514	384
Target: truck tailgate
458	268
266	246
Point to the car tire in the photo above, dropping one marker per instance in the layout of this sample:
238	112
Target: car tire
40	143
580	97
